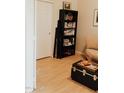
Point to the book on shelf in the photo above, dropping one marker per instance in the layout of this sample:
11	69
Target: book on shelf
68	42
70	25
69	32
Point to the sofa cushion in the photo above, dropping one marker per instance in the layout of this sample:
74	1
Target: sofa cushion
92	54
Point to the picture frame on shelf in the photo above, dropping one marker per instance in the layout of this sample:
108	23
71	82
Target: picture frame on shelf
95	19
66	5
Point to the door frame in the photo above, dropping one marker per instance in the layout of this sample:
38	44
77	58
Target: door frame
30	27
30	46
51	37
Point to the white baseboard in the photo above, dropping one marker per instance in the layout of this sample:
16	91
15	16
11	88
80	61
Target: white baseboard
28	90
78	52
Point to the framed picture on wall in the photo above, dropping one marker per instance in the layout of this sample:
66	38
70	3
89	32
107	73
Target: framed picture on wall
95	19
66	5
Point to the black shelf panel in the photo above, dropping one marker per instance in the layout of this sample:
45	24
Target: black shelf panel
70	28
69	36
69	20
69	52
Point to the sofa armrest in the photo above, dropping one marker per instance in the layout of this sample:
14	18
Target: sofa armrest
92	54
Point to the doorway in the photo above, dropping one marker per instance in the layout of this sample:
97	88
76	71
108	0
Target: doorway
43	25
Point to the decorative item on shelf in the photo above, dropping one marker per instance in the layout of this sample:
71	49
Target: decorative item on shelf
69	42
95	20
68	24
69	16
66	42
66	5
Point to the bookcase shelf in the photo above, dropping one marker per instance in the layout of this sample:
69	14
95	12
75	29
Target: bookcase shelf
65	38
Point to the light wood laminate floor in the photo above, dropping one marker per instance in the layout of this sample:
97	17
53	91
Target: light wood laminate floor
53	76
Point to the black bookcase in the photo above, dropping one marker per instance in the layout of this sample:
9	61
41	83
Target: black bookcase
65	38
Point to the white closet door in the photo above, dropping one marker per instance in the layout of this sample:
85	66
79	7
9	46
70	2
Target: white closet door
43	28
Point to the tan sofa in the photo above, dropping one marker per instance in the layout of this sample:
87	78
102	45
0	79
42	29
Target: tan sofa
90	51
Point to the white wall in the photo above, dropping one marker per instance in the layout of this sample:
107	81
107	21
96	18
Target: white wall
30	49
86	30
